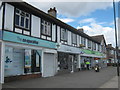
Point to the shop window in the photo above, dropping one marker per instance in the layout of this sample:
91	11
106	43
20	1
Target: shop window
45	28
27	61
22	19
20	61
64	34
14	61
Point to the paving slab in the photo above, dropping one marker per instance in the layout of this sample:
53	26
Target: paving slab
113	83
0	86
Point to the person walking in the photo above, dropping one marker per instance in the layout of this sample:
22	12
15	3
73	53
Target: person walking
88	65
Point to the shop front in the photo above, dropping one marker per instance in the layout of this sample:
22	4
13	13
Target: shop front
93	57
24	57
68	58
21	61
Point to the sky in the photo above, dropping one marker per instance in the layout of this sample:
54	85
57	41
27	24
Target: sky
96	18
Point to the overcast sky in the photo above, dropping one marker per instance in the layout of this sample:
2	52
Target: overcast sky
95	18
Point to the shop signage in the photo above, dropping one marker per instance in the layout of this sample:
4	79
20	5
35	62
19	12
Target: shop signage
91	52
27	40
13	37
68	49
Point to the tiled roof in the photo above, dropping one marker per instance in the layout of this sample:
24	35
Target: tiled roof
98	38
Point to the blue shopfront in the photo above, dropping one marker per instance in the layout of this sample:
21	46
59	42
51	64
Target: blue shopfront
26	55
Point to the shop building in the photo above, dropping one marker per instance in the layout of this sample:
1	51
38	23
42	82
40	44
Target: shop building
101	50
26	48
34	43
111	55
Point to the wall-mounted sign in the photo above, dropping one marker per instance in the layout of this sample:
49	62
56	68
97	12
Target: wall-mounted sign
13	37
68	49
84	51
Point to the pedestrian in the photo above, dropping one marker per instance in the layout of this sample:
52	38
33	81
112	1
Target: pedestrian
87	64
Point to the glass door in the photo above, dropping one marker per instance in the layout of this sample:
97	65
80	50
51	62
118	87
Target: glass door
36	61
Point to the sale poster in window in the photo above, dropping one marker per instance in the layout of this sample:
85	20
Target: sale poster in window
27	58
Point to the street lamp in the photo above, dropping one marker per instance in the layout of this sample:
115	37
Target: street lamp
116	38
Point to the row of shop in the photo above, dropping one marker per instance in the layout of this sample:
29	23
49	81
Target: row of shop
23	55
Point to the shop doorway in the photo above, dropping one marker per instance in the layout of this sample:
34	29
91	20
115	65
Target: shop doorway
66	63
36	61
32	61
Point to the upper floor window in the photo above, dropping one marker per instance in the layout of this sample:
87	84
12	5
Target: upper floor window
89	44
64	34
83	41
98	47
104	49
74	38
46	28
112	51
22	19
93	46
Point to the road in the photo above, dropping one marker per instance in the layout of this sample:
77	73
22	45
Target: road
82	79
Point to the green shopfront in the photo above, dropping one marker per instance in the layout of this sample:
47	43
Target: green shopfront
26	56
94	57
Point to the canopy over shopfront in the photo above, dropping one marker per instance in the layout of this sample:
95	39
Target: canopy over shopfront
91	53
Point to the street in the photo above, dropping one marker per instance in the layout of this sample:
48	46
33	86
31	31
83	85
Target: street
82	79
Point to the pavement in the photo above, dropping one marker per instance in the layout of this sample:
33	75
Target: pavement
112	83
0	86
106	78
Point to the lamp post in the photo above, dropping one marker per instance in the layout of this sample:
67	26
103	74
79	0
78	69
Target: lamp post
116	38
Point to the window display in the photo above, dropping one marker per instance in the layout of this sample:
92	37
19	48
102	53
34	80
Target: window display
14	61
27	61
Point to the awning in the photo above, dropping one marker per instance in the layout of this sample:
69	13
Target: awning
84	51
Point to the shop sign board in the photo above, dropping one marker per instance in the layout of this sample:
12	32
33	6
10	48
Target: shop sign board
13	37
84	51
68	49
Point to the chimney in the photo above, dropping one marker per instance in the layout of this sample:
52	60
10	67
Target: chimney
52	12
109	45
81	30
